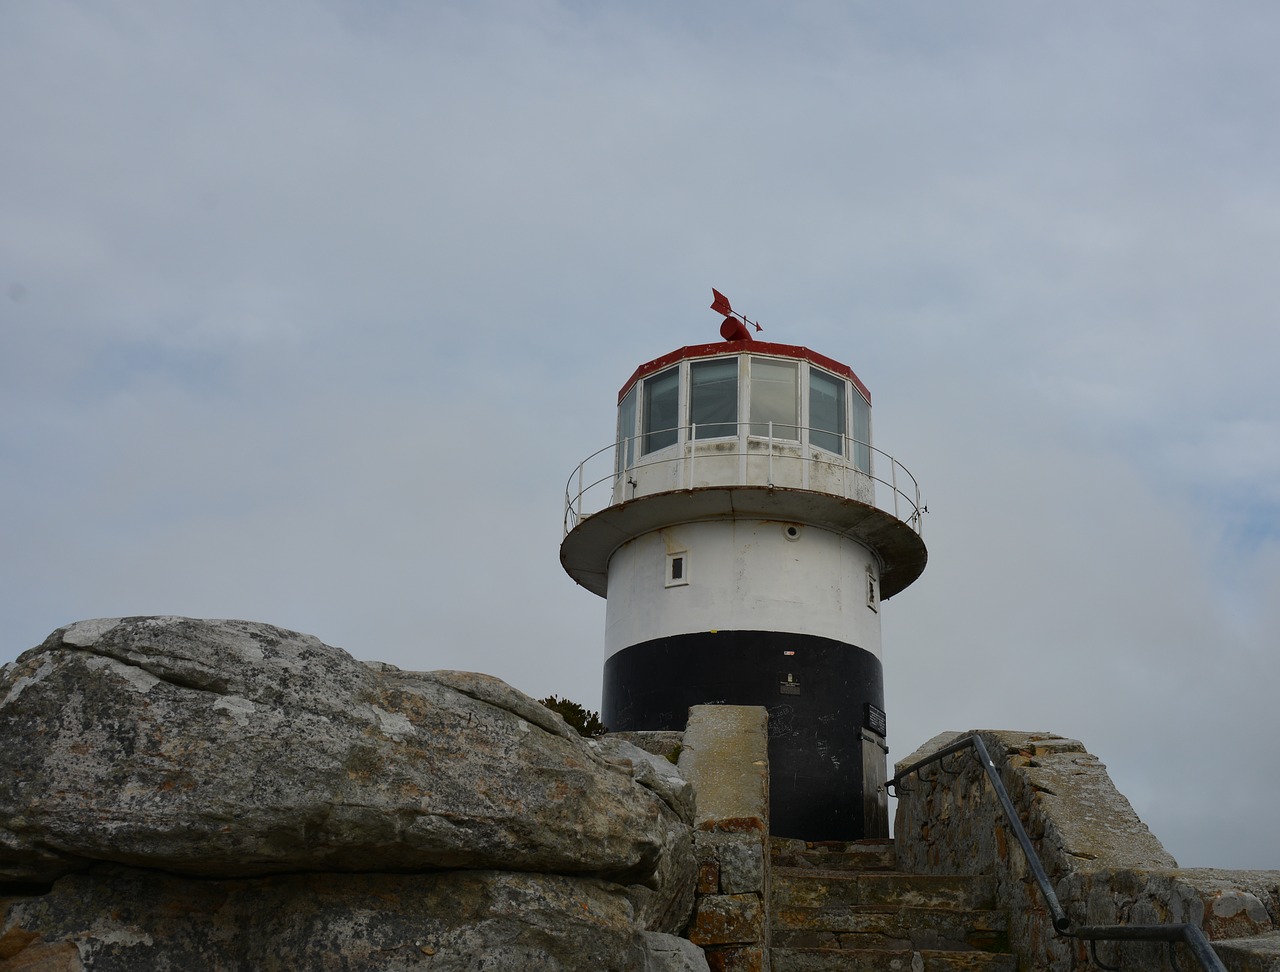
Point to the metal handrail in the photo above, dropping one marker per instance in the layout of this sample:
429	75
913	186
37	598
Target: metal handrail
581	484
1190	935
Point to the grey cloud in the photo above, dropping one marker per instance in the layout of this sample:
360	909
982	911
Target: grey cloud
319	304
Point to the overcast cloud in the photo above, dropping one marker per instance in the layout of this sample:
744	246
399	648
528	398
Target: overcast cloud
307	311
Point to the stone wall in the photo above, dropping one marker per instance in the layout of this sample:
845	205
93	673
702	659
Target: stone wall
1104	864
725	756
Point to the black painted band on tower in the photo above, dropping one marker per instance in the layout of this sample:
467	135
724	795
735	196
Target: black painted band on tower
823	697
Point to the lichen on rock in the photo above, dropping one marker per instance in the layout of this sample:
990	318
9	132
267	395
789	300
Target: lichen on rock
233	751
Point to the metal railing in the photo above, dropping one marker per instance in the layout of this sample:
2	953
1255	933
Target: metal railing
596	481
1190	935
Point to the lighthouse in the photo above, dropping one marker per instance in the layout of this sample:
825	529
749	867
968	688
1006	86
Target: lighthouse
745	533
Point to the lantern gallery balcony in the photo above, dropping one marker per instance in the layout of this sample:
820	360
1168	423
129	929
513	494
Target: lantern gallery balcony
777	416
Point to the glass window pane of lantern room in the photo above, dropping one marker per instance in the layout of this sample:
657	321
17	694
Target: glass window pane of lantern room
661	409
713	397
861	432
627	431
826	411
774	399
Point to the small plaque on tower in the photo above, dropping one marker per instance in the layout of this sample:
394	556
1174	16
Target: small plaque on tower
875	720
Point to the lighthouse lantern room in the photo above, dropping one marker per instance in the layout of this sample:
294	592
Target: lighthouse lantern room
744	532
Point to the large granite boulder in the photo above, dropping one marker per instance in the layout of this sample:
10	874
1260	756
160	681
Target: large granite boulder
115	919
231	749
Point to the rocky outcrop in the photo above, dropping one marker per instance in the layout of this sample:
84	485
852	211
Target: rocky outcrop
119	918
1104	865
298	778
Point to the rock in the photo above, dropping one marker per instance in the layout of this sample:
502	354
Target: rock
656	773
741	867
667	953
728	919
226	749
455	921
1104	865
660	742
675	871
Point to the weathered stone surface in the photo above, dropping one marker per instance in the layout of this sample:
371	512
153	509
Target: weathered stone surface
730	863
727	919
119	919
661	742
1259	954
738	958
1073	807
654	772
232	749
725	749
901	960
674	870
741	867
725	755
807	888
708	877
1224	904
860	855
668	953
1104	865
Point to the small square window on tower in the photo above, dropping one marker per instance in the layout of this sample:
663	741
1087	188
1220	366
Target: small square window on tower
873	593
677	569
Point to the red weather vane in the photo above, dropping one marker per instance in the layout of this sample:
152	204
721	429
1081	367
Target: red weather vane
733	328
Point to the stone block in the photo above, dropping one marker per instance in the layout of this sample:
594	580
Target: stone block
741	867
744	958
667	953
708	877
726	757
728	919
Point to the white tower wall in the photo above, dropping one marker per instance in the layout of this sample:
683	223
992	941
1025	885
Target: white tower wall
743	575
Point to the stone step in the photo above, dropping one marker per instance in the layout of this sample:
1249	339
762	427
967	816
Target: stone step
1259	953
893	960
856	855
795	887
890	928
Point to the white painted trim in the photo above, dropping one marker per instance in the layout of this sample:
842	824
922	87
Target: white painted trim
677	574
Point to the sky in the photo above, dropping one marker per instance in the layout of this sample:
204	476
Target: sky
308	311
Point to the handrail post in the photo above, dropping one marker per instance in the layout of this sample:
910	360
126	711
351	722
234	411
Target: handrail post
693	450
893	474
806	458
847	445
771	453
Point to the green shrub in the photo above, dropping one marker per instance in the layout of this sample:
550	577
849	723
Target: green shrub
585	721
